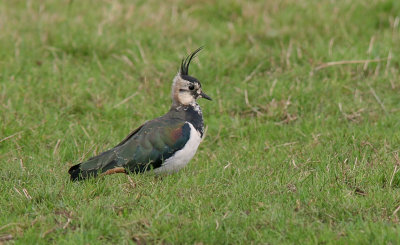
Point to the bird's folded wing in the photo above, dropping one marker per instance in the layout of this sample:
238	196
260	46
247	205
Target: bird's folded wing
131	135
152	144
145	148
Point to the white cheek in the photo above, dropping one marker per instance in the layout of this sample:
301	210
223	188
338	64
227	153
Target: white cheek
185	98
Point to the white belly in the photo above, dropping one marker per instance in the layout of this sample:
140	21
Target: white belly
183	156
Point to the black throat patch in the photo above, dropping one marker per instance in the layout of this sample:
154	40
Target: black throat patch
190	113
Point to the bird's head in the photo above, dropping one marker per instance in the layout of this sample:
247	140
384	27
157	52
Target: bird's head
187	89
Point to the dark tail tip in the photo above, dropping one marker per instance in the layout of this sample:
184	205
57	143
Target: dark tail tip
75	172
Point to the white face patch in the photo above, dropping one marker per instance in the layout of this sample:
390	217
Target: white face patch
185	98
181	93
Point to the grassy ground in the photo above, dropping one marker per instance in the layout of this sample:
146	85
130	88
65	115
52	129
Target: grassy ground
297	149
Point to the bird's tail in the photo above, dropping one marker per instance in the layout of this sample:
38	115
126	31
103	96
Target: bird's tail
95	165
75	172
78	174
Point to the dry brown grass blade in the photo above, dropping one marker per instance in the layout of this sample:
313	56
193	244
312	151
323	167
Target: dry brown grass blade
347	62
396	210
125	100
9	137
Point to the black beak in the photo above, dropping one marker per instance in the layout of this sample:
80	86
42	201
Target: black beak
203	95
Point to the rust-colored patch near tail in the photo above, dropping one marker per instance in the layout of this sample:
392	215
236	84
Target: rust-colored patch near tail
113	171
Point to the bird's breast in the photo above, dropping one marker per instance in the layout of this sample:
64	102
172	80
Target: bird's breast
184	155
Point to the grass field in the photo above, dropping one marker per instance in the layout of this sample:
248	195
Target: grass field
302	142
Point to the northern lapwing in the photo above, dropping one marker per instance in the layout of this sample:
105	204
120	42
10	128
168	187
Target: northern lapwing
165	144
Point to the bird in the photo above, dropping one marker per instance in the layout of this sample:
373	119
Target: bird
165	144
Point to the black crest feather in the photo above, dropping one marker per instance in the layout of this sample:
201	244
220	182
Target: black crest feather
186	62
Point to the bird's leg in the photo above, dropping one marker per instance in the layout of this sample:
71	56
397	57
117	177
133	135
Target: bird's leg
113	171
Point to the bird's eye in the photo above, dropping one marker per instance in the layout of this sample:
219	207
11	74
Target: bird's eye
191	87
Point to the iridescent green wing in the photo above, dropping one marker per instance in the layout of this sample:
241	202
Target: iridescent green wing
153	143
